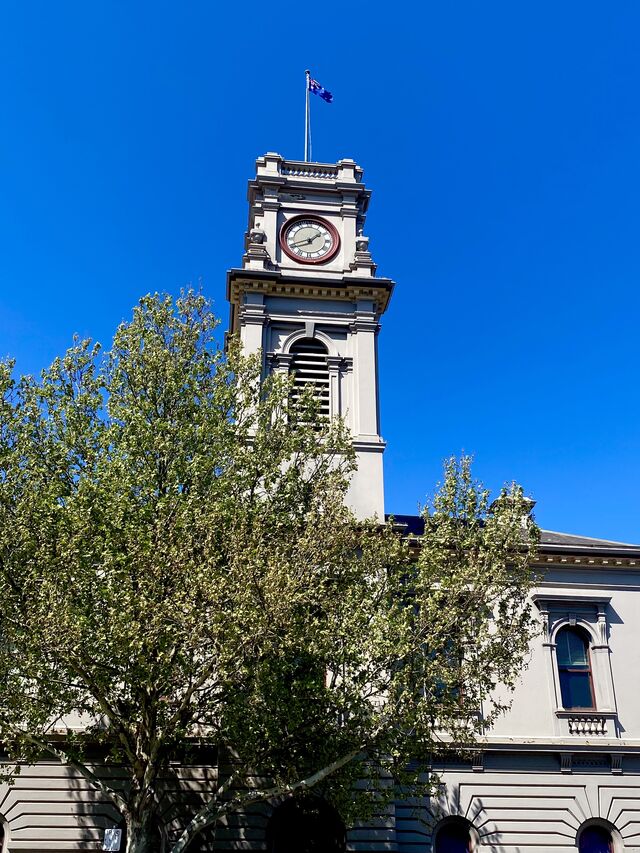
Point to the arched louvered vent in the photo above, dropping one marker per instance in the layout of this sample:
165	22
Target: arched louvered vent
309	367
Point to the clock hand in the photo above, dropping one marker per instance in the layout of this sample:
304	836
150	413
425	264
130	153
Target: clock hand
302	242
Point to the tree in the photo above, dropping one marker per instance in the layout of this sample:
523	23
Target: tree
178	566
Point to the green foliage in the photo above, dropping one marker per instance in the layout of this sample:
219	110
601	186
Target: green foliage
177	562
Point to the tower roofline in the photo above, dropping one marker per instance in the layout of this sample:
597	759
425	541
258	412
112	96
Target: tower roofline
346	170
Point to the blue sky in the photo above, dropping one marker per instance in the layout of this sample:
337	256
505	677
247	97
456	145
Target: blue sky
501	141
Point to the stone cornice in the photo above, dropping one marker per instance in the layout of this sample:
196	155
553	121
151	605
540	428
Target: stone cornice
347	287
571	556
573	743
577	558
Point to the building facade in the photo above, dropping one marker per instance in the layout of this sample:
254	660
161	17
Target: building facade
561	771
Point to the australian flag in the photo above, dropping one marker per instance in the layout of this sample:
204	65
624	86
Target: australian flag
317	89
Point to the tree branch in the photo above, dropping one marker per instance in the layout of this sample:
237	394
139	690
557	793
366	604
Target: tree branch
89	775
211	812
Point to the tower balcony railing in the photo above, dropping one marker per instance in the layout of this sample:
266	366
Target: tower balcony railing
298	169
343	170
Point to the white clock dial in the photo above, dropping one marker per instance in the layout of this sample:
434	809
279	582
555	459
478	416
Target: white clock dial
309	240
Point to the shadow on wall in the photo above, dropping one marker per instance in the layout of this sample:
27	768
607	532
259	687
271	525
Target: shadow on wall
182	792
454	830
305	825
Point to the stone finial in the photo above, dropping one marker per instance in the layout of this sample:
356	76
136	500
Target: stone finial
256	256
269	164
362	262
257	236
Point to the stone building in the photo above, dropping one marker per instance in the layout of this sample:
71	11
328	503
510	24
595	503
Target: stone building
561	771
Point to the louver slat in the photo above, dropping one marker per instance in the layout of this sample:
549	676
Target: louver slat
309	367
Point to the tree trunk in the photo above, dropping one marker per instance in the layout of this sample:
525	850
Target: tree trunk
142	837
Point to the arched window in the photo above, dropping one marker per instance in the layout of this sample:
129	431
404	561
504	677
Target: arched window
309	367
574	668
454	836
306	825
595	839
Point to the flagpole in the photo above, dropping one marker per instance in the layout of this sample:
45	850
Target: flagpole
307	75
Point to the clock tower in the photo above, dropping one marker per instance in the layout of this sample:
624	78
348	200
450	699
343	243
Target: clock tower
307	296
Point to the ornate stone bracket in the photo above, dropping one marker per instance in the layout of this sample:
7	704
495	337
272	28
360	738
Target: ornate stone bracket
362	261
256	256
568	765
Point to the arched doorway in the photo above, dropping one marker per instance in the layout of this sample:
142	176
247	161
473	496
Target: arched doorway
454	835
595	839
306	825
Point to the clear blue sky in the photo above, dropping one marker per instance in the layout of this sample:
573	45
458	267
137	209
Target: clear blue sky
502	142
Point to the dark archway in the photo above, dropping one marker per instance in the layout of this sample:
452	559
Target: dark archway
595	839
454	835
306	825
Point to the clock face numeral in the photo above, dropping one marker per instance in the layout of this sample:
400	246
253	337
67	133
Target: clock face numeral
309	240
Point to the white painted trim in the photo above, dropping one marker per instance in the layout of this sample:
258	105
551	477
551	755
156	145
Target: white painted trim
579	622
301	334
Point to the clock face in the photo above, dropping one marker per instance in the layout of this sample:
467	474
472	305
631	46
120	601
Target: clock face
309	240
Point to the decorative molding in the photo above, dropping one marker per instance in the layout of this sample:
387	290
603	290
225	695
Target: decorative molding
334	362
375	444
616	763
477	762
309	170
377	292
364	324
541	598
600	760
252	314
317	334
281	361
362	258
566	762
545	625
587	725
587	561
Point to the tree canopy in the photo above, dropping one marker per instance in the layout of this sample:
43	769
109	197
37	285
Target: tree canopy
178	566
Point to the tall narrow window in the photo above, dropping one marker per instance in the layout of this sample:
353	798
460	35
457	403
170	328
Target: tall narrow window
309	368
574	668
454	837
595	839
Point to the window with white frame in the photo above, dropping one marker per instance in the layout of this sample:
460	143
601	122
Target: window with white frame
576	638
574	668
